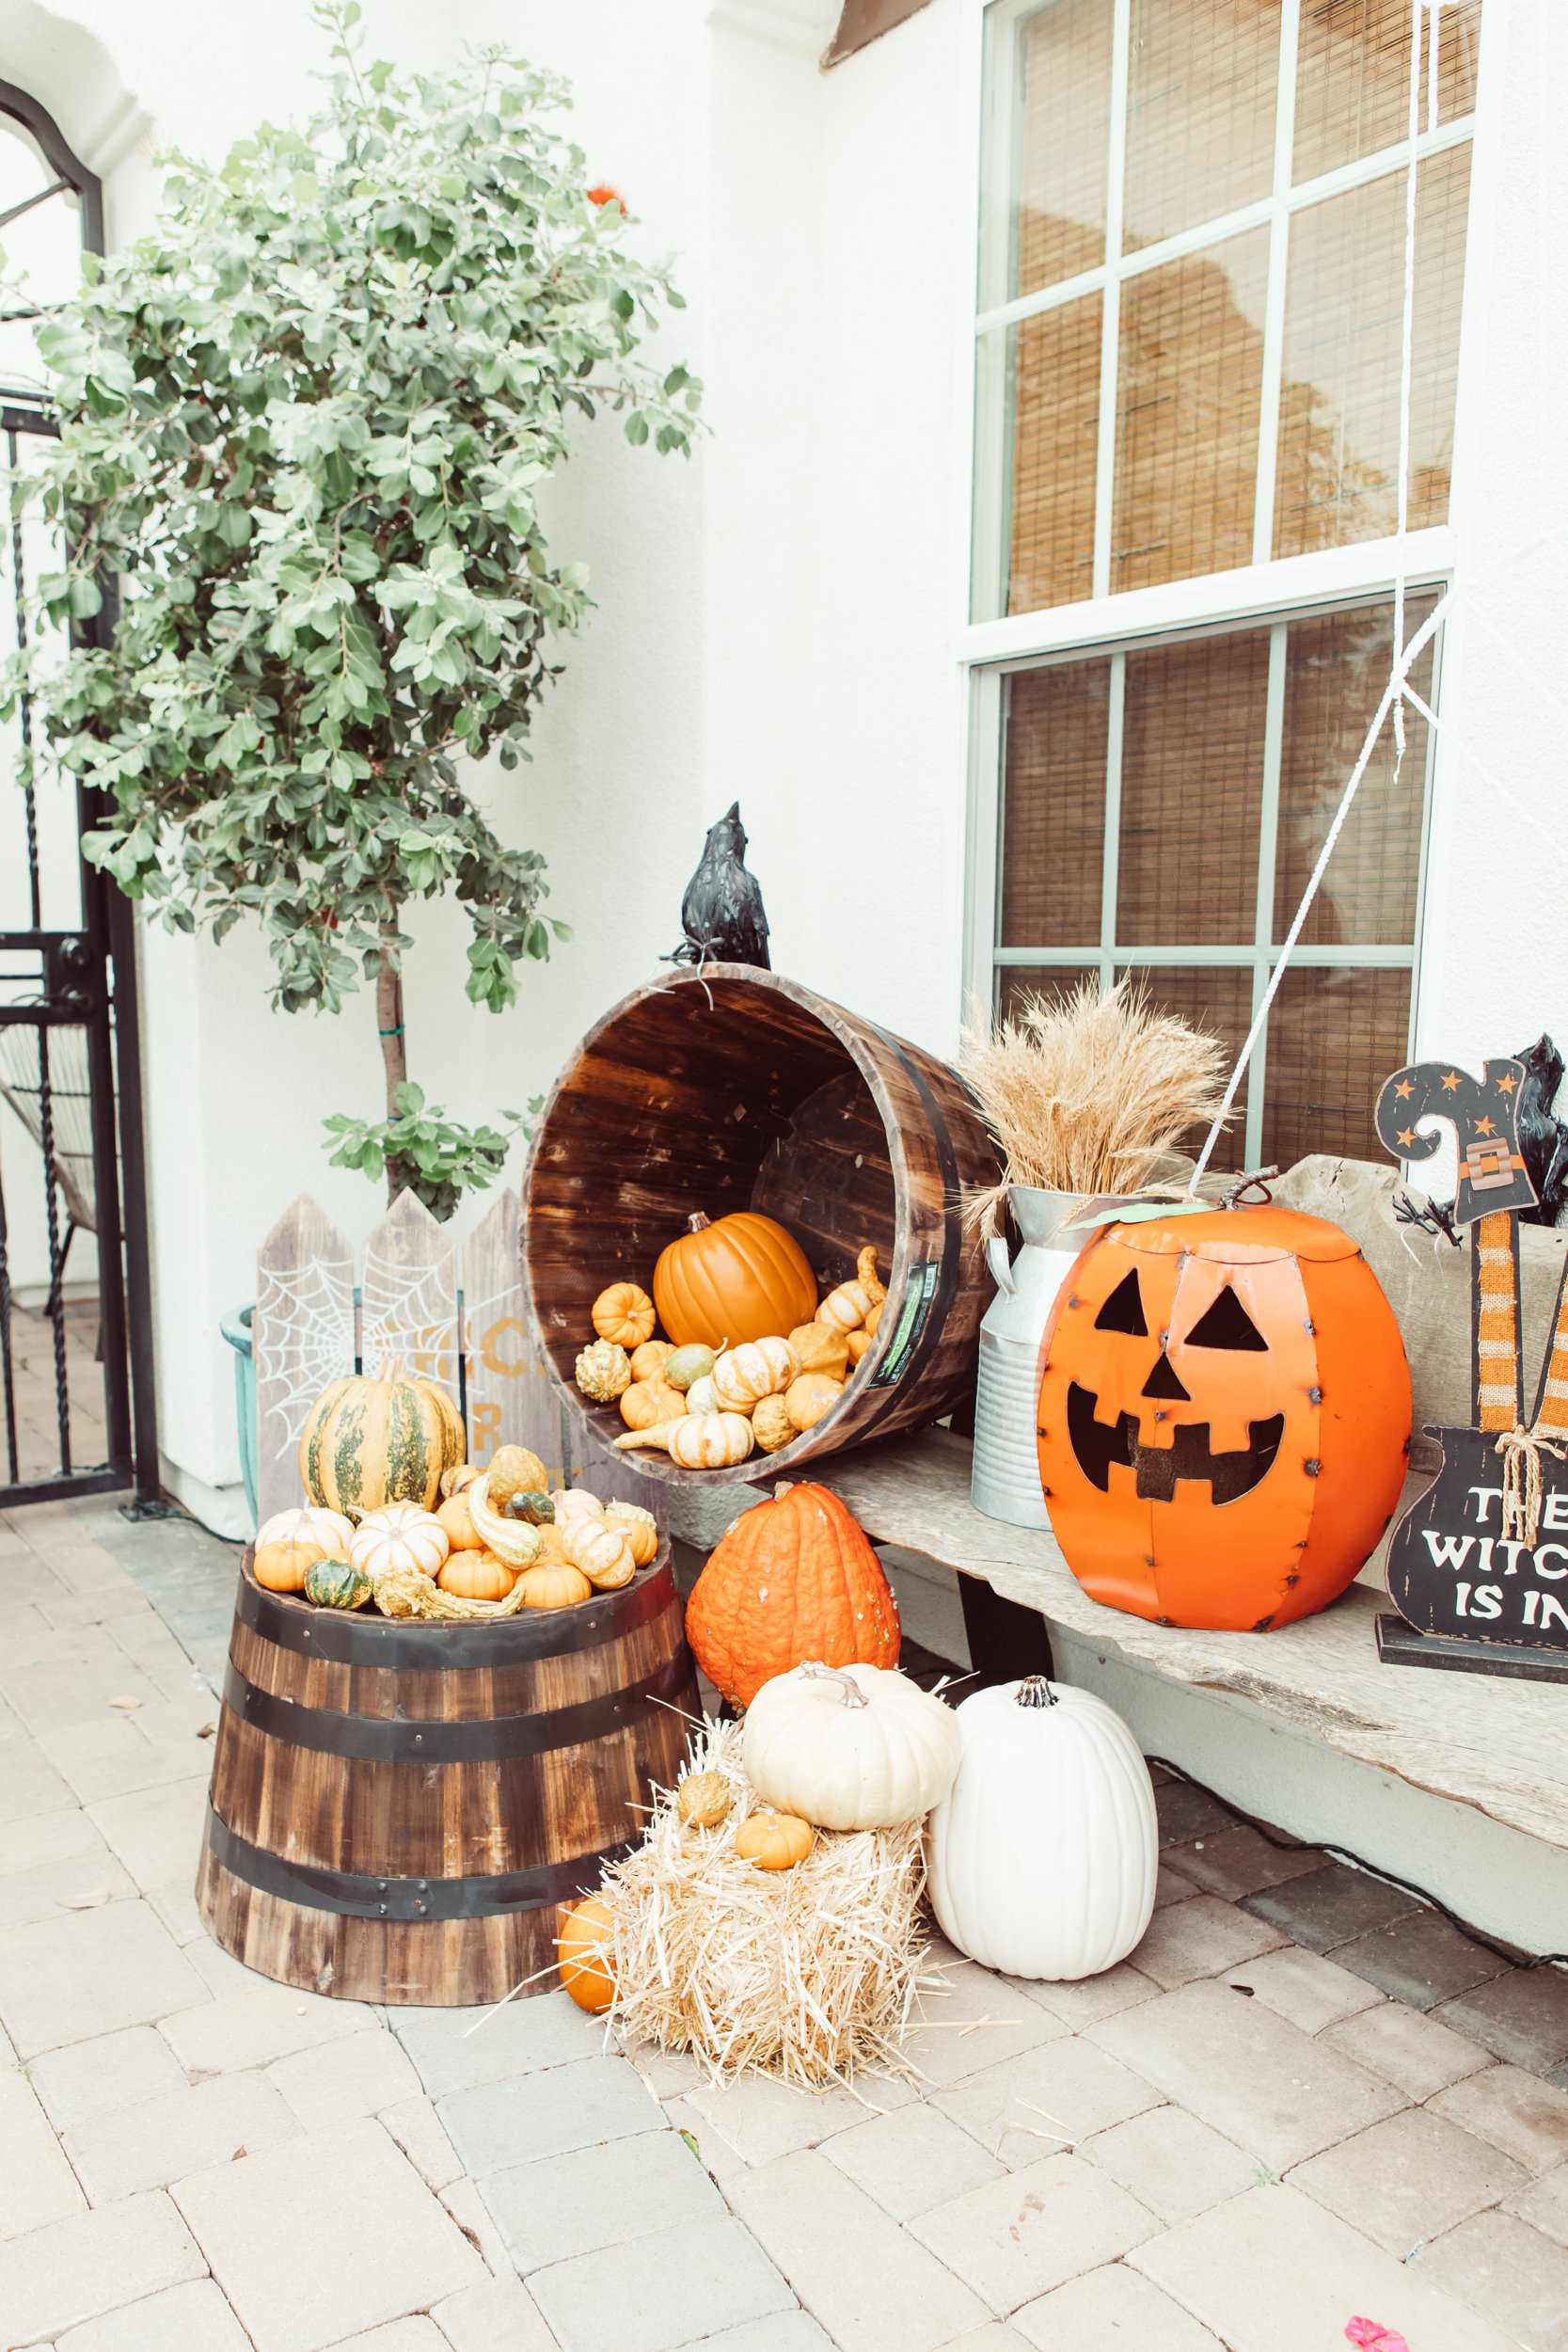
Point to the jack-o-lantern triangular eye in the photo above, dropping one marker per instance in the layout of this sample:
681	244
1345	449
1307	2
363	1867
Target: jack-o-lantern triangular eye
1226	1322
1124	1311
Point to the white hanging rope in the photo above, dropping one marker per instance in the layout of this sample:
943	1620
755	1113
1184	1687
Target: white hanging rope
1403	654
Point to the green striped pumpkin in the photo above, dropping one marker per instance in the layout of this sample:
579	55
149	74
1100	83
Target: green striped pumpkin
368	1441
336	1584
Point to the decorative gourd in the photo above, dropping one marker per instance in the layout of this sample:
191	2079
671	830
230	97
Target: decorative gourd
553	1587
460	1476
400	1536
367	1441
604	1372
744	1375
534	1509
516	1471
602	1551
772	1426
409	1593
648	1361
703	1800
642	1530
732	1282
821	1347
515	1541
647	1402
552	1547
809	1399
847	1307
697	1441
336	1584
1224	1416
457	1518
586	1945
702	1396
850	1747
476	1576
774	1841
1042	1855
794	1578
857	1342
292	1541
624	1314
573	1499
685	1365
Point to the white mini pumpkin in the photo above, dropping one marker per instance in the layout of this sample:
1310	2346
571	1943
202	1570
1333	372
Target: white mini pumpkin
574	1503
1042	1855
850	1747
744	1375
399	1536
329	1530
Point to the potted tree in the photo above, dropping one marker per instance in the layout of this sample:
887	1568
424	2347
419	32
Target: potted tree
304	428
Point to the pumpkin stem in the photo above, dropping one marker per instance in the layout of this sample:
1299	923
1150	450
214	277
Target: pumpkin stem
1034	1690
392	1368
850	1690
697	1222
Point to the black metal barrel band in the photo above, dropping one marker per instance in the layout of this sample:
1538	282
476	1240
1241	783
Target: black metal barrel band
346	1638
354	1895
429	1739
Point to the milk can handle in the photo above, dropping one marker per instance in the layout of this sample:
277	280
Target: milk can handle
1000	1265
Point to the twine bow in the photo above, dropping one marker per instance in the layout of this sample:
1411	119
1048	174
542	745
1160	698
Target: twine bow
1521	1449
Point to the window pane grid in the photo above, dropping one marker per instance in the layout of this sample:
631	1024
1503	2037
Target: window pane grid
1244	304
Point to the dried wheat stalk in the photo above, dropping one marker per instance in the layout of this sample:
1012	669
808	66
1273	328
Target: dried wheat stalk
1084	1094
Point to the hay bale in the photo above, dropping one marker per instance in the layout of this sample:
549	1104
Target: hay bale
806	1973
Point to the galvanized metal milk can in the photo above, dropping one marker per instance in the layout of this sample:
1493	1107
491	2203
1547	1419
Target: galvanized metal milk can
1005	1480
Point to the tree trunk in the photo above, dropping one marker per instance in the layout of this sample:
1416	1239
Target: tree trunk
388	1019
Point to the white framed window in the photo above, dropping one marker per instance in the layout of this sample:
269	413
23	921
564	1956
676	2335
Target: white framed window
1188	346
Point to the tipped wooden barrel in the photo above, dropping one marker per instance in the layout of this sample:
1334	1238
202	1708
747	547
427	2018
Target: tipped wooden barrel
397	1808
739	1089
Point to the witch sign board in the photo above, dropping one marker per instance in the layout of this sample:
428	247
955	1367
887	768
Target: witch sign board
1478	1566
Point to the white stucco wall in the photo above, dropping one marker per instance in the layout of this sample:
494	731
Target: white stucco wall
781	621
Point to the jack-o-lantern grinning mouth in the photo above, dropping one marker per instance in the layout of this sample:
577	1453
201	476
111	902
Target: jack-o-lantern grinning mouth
1097	1445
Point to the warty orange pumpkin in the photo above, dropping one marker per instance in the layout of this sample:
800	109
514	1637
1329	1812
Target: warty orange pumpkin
739	1279
795	1578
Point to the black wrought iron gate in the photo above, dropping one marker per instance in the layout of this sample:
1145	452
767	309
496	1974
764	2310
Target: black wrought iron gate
76	1391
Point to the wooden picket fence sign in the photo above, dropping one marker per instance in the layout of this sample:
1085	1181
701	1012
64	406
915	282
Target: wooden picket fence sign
460	1319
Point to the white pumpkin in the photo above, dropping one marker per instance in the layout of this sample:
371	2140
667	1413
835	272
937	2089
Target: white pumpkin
310	1524
1041	1858
574	1503
850	1747
399	1536
515	1542
742	1376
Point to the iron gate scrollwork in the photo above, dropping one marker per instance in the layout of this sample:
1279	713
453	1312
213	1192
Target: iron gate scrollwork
76	1391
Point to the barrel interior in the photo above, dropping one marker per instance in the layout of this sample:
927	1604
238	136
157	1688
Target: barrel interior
750	1101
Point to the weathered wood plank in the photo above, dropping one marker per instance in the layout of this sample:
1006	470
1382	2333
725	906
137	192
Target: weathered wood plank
408	1296
302	1336
512	1399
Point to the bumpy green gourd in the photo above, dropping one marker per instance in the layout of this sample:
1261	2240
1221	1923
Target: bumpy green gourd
336	1584
604	1372
538	1510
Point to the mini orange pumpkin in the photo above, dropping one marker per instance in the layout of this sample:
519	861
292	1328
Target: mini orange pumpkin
586	1944
857	1343
456	1517
623	1315
774	1841
1224	1416
641	1529
646	1403
553	1587
743	1277
795	1578
648	1361
475	1576
811	1398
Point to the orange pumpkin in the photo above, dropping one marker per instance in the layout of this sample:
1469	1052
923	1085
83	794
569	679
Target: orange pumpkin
724	1284
586	1945
475	1576
1224	1416
795	1578
624	1314
456	1517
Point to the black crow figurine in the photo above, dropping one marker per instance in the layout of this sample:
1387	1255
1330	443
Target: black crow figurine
722	912
1543	1137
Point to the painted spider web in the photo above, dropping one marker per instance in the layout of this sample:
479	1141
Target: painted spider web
304	1325
409	1313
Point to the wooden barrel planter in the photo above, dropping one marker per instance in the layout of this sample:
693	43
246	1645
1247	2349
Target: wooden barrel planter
740	1089
397	1808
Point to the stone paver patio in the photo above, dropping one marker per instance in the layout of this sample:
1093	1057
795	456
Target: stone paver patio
1309	2096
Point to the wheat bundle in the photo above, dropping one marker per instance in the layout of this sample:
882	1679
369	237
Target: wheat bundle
807	1974
1085	1093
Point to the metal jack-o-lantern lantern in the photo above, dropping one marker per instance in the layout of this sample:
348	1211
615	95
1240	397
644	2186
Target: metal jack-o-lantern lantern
1224	1417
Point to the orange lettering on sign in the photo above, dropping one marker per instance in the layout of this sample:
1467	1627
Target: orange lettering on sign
510	1367
484	1424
